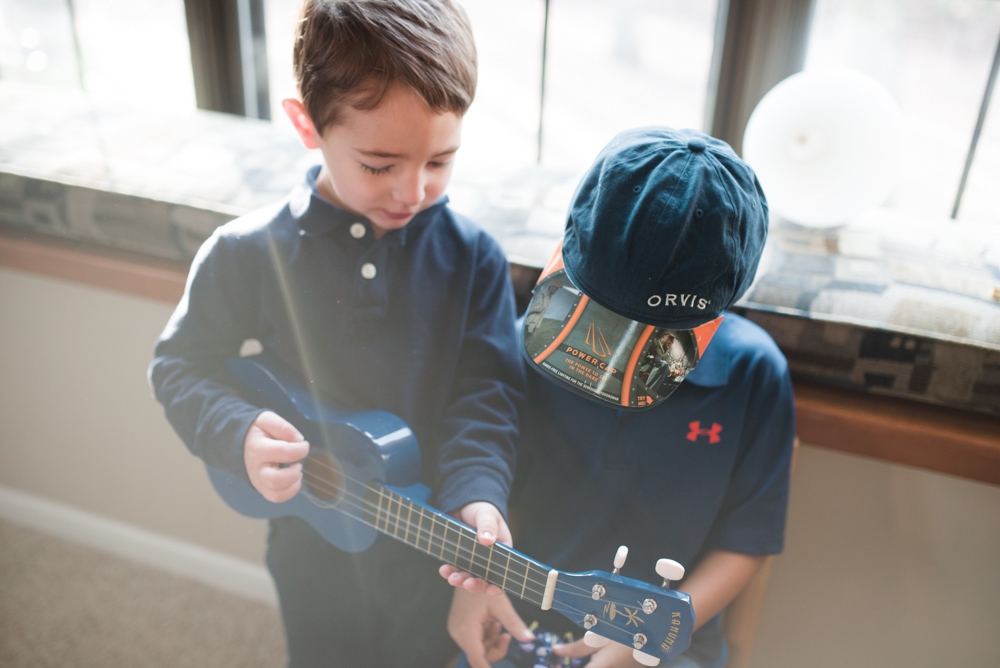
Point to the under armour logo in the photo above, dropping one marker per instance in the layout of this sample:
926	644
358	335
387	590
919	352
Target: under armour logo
696	431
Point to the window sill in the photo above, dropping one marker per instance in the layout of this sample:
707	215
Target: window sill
935	438
92	265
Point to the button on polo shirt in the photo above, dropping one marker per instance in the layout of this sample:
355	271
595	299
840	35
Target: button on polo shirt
358	269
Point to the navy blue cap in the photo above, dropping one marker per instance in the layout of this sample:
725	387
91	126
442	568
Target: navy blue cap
666	228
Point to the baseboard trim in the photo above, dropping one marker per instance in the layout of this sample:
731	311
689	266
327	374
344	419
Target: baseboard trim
175	556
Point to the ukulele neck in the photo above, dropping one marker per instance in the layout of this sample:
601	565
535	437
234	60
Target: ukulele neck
444	538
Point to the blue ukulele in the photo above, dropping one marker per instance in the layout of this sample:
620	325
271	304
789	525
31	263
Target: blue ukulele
360	481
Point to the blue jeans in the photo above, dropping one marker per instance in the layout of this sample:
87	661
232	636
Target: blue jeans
386	606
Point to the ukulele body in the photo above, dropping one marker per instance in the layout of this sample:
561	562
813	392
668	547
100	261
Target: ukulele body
348	450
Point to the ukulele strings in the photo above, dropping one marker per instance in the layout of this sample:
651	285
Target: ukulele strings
361	504
322	484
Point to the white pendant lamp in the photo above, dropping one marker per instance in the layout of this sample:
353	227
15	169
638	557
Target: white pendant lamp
826	145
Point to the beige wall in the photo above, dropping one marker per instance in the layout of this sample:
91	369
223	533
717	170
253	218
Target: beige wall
79	425
885	565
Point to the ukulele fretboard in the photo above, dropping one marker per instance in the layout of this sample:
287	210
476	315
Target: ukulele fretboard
451	541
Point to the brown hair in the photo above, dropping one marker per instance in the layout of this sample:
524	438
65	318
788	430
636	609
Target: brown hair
354	51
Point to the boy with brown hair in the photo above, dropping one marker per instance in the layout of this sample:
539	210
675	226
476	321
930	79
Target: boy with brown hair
378	296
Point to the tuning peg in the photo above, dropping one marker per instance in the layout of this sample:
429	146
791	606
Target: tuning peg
669	570
644	659
591	639
620	558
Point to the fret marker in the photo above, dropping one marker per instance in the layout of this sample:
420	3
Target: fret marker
409	516
489	561
550	589
420	526
378	513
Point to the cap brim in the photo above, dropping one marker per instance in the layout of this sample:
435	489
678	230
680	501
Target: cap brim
605	356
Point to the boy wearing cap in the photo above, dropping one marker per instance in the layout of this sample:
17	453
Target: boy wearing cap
665	232
377	296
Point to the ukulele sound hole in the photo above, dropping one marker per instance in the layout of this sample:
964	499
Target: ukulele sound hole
321	473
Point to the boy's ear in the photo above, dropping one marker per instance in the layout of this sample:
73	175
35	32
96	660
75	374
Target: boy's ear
303	125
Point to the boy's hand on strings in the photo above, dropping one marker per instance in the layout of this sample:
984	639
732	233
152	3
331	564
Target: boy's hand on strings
476	624
272	453
490	528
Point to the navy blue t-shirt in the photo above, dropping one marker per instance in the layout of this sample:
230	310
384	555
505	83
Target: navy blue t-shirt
419	323
706	470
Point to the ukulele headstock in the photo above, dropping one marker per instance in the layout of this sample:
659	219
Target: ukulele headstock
656	621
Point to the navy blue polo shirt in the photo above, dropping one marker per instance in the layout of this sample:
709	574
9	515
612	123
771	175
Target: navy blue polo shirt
706	470
419	323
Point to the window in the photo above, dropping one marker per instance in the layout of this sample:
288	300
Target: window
934	57
133	52
609	66
618	65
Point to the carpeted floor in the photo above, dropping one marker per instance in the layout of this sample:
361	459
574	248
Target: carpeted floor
63	605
